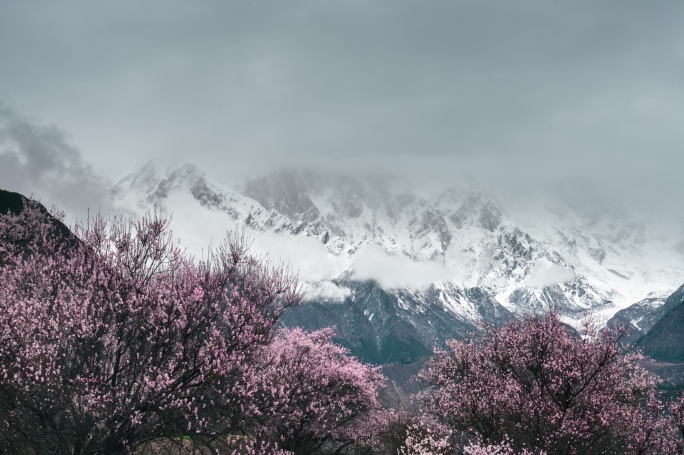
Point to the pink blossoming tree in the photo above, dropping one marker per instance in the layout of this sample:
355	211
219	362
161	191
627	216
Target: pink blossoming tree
535	386
315	398
120	338
676	409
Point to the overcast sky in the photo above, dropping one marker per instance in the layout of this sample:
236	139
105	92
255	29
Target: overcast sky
509	91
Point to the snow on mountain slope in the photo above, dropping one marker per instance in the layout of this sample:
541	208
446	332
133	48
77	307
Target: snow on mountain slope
151	186
526	255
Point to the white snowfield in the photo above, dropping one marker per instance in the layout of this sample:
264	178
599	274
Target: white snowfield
530	254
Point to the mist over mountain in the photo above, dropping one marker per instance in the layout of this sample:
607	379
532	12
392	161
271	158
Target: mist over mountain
381	260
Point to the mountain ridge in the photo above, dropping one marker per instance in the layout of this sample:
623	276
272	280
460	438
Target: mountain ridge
665	339
580	264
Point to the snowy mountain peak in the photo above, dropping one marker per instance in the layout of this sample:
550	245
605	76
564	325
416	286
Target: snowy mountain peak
537	256
287	193
143	181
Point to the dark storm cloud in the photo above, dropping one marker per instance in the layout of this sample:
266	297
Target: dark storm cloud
38	161
520	93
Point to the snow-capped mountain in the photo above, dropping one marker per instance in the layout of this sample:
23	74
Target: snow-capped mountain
461	256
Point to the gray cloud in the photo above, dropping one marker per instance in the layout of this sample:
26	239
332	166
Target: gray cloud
38	160
525	93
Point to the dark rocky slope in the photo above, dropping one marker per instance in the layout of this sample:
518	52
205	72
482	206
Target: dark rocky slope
665	341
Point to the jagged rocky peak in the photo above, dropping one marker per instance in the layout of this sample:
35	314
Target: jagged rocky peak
189	178
145	181
432	222
306	195
288	193
469	206
157	184
182	177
